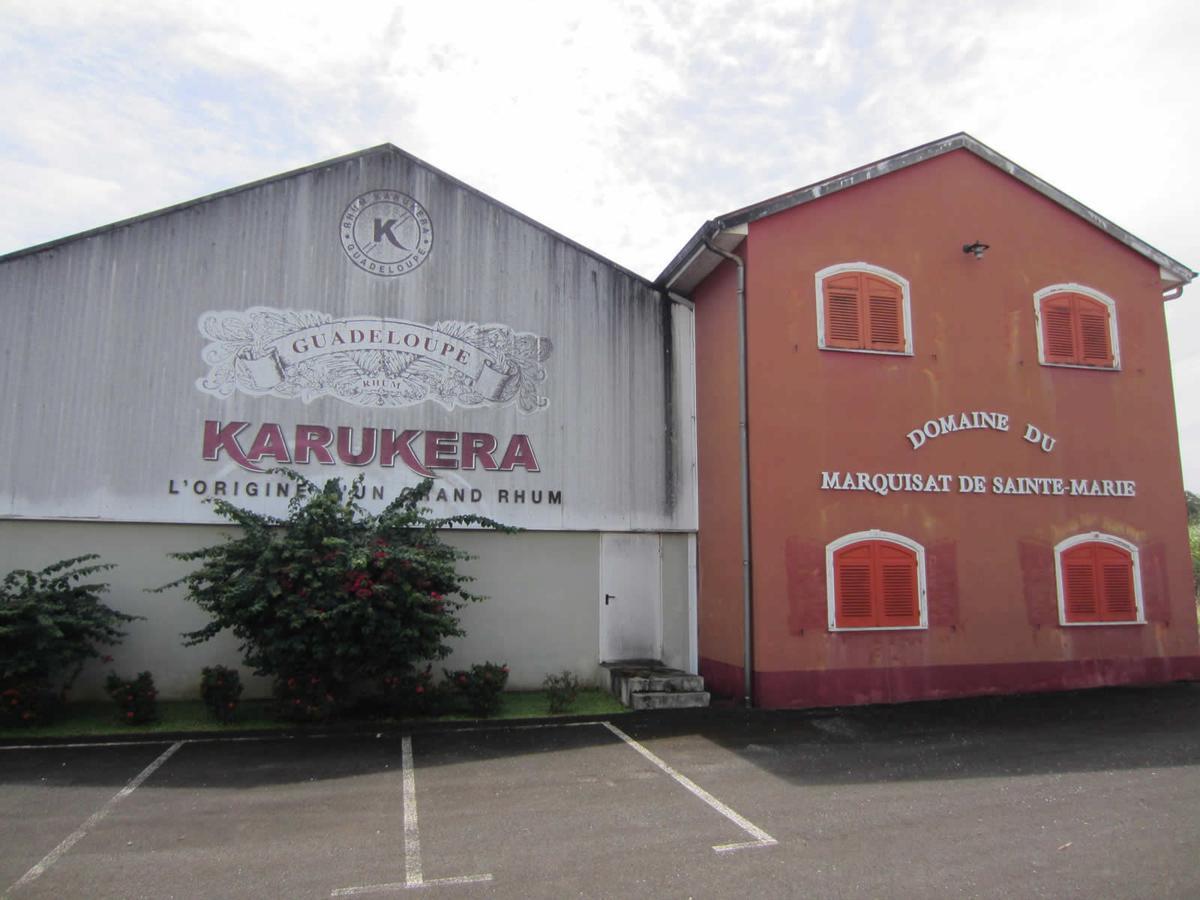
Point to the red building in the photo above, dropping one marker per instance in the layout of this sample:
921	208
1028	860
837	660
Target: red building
959	472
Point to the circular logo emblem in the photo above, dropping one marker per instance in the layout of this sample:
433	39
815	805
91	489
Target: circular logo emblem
386	232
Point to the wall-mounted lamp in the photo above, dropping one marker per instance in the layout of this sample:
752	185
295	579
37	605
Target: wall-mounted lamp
977	248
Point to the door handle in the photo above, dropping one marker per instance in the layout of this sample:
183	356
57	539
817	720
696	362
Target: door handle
608	597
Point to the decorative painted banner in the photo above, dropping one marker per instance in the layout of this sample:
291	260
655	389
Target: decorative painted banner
372	361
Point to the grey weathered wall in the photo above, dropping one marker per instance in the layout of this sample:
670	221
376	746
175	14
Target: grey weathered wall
119	346
101	357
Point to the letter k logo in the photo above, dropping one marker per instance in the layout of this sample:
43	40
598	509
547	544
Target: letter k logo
384	230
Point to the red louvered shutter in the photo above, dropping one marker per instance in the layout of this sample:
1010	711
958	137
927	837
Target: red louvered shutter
1115	570
843	316
876	586
896	571
1080	598
854	605
1098	584
885	315
1076	330
1058	329
1091	316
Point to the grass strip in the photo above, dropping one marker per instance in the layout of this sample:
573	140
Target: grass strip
93	719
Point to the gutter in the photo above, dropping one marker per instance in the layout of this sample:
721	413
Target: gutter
693	248
744	464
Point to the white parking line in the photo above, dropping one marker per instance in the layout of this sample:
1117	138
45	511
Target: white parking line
78	834
85	745
221	739
761	838
413	877
412	834
284	736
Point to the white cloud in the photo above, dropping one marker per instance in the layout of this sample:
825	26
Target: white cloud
622	125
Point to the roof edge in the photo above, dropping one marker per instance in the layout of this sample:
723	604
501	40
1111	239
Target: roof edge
1180	273
188	204
385	147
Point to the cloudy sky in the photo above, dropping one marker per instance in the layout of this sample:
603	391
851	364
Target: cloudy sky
623	125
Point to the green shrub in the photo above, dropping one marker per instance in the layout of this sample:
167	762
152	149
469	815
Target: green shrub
481	686
220	689
561	690
137	700
332	597
1194	544
28	703
304	697
51	623
411	693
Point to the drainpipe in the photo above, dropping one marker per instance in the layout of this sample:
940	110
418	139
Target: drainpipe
747	588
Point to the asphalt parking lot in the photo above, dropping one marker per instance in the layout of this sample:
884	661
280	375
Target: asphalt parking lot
1087	794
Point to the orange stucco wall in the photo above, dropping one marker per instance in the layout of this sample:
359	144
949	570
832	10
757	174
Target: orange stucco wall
719	548
992	598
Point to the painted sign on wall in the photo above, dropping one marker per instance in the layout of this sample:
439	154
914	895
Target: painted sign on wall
313	323
884	483
366	361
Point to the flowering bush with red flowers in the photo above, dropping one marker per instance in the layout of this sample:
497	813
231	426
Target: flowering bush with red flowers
332	591
411	693
304	697
220	689
481	686
137	700
28	703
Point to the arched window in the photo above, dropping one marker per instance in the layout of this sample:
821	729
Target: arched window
863	307
1099	581
1076	326
875	579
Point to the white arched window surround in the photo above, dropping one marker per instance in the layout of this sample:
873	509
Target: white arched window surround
874	535
1096	537
881	272
1086	291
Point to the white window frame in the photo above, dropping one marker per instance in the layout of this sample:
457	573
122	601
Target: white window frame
905	296
874	535
1108	301
1096	537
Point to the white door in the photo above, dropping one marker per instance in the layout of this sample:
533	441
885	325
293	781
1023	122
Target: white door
630	597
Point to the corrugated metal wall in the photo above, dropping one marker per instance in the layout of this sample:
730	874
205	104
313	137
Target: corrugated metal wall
101	356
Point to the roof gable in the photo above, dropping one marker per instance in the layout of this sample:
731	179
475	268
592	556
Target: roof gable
695	261
379	149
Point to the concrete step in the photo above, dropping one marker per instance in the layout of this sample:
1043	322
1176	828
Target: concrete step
657	684
648	684
668	699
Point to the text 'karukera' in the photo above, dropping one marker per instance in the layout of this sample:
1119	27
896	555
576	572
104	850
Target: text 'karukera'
422	451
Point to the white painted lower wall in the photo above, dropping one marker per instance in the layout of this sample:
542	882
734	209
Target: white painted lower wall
542	613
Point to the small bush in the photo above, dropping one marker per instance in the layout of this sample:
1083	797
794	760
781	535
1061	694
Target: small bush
481	685
220	689
28	703
51	622
304	697
137	700
1194	546
561	690
411	693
